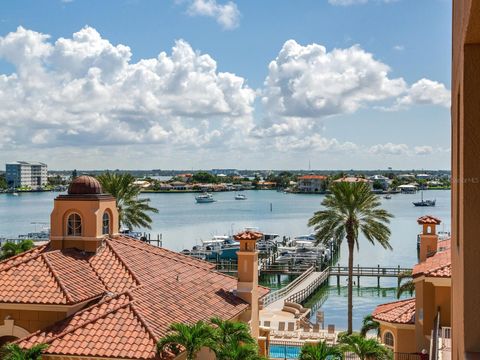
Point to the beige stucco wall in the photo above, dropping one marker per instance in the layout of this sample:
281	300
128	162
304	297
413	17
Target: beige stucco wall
31	320
403	335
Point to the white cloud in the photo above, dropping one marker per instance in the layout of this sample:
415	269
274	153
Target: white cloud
86	91
227	15
399	47
425	92
389	149
423	150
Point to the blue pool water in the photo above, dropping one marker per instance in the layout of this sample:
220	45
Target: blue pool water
284	351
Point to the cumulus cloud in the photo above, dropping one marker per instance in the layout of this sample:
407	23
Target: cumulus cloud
227	15
425	92
85	90
423	150
389	149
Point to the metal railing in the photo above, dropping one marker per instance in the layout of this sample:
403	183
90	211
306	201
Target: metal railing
276	295
370	271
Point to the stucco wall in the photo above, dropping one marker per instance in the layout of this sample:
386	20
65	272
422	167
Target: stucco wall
32	320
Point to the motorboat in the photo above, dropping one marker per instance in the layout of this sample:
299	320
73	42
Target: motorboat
204	198
240	197
220	247
388	197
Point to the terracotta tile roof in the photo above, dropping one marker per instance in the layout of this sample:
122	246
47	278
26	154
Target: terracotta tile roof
248	235
428	219
351	179
312	177
438	265
144	289
398	312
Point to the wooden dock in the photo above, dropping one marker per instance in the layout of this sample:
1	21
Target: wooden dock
368	271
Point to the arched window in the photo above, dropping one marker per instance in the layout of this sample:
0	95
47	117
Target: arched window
388	339
106	223
74	225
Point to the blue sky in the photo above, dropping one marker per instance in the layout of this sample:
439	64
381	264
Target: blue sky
363	105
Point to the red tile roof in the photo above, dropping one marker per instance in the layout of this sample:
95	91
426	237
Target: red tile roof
351	179
312	177
248	235
143	289
398	312
428	219
438	265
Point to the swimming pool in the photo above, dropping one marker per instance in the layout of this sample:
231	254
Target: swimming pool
284	351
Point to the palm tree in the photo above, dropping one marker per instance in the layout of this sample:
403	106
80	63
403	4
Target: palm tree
365	349
405	286
132	211
237	351
320	351
351	208
10	249
234	340
15	352
369	324
191	337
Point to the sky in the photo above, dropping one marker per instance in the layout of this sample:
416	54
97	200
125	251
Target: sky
200	84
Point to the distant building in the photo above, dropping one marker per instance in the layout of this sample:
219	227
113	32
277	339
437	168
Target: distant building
224	171
353	179
383	180
22	173
311	183
423	176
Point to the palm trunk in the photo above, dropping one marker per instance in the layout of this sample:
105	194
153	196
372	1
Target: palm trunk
351	244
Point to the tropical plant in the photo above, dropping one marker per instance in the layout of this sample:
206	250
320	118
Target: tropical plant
10	249
15	352
351	208
365	349
190	337
132	211
405	286
320	351
369	324
234	341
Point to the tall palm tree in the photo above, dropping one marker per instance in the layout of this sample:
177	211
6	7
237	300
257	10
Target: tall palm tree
191	337
320	351
15	352
405	286
369	324
365	349
132	211
10	249
351	208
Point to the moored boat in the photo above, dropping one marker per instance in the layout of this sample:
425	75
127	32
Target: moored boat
204	198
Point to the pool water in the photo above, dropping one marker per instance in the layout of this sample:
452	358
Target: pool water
282	351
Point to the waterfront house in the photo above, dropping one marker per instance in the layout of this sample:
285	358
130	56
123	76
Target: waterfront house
92	293
422	323
312	183
353	179
178	185
408	188
382	180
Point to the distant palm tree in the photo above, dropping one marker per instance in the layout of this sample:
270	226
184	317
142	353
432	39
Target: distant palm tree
15	352
351	208
365	349
132	211
369	324
405	286
320	351
10	249
190	337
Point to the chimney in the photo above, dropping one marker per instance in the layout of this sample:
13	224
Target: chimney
247	287
428	237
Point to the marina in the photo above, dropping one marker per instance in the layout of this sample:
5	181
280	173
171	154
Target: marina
181	224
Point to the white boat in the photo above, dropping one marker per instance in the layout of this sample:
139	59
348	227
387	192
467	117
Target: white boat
240	197
204	198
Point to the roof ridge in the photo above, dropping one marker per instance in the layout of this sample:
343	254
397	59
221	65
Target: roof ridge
171	257
57	278
23	261
119	257
98	275
142	320
78	313
395	302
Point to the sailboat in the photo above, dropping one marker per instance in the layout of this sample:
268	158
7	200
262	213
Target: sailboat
424	202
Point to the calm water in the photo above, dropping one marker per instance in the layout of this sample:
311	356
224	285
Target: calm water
183	223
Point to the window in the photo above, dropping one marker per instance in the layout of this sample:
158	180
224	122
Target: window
388	339
74	225
106	224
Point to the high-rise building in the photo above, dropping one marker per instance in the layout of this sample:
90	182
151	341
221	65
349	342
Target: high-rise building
22	173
